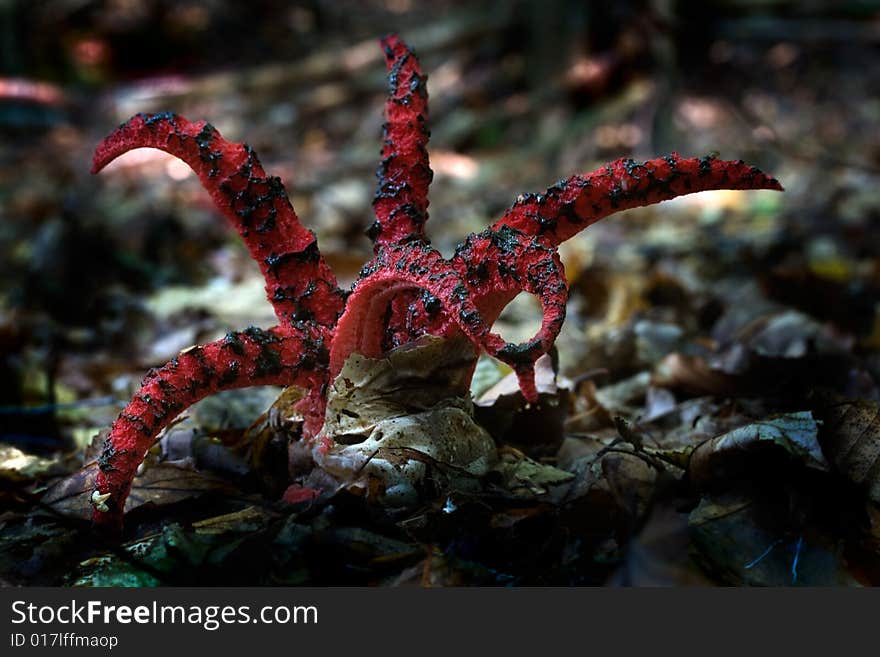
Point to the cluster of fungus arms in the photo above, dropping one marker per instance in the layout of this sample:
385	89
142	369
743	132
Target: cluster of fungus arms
407	290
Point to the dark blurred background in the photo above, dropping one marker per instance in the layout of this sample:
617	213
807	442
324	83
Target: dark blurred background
102	277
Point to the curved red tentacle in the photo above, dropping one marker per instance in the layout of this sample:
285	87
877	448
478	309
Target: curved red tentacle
299	284
401	200
294	355
571	205
410	270
499	264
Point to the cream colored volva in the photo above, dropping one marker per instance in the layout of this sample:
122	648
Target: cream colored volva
390	418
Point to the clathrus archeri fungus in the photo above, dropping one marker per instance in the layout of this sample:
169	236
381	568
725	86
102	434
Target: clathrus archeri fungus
407	290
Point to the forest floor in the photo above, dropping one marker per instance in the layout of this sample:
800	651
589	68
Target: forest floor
715	413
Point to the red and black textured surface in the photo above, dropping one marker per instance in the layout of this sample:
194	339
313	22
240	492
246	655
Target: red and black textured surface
408	289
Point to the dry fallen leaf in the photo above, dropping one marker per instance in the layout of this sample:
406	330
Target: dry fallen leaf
694	375
162	483
527	478
796	433
535	428
851	436
743	540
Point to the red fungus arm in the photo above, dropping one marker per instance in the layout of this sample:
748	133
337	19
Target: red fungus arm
407	271
466	295
571	205
499	264
295	355
401	200
299	284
